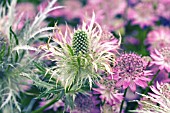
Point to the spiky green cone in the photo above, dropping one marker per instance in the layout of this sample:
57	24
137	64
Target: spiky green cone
80	42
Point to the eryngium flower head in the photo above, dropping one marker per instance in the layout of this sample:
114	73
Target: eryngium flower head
80	42
129	71
156	102
97	51
108	92
161	58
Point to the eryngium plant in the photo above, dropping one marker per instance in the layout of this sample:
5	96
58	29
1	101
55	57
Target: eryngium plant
14	57
81	56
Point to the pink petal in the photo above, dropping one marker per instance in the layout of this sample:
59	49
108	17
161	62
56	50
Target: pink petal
132	86
119	83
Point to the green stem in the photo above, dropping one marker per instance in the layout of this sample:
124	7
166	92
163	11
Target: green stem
151	82
124	95
40	110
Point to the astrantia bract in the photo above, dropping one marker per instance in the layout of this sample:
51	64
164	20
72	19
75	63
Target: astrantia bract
158	38
161	58
129	70
108	92
156	102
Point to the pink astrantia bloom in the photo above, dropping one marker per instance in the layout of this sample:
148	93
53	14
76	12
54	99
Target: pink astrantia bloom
161	58
54	13
158	38
55	106
142	14
113	6
108	92
27	9
73	9
163	9
156	102
107	20
130	70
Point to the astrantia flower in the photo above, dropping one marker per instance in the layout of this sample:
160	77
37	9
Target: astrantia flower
158	38
163	9
108	21
161	58
129	70
142	14
86	104
108	92
27	10
54	13
79	55
156	102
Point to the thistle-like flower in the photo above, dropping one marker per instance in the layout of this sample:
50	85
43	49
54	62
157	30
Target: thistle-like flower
12	58
129	71
156	102
161	58
108	92
81	54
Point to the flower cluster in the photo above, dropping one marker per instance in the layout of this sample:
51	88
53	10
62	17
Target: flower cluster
82	54
129	71
85	56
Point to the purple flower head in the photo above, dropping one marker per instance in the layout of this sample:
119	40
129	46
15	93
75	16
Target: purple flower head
54	13
158	38
163	9
108	21
161	58
27	9
142	14
86	104
156	102
129	71
160	89
108	92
